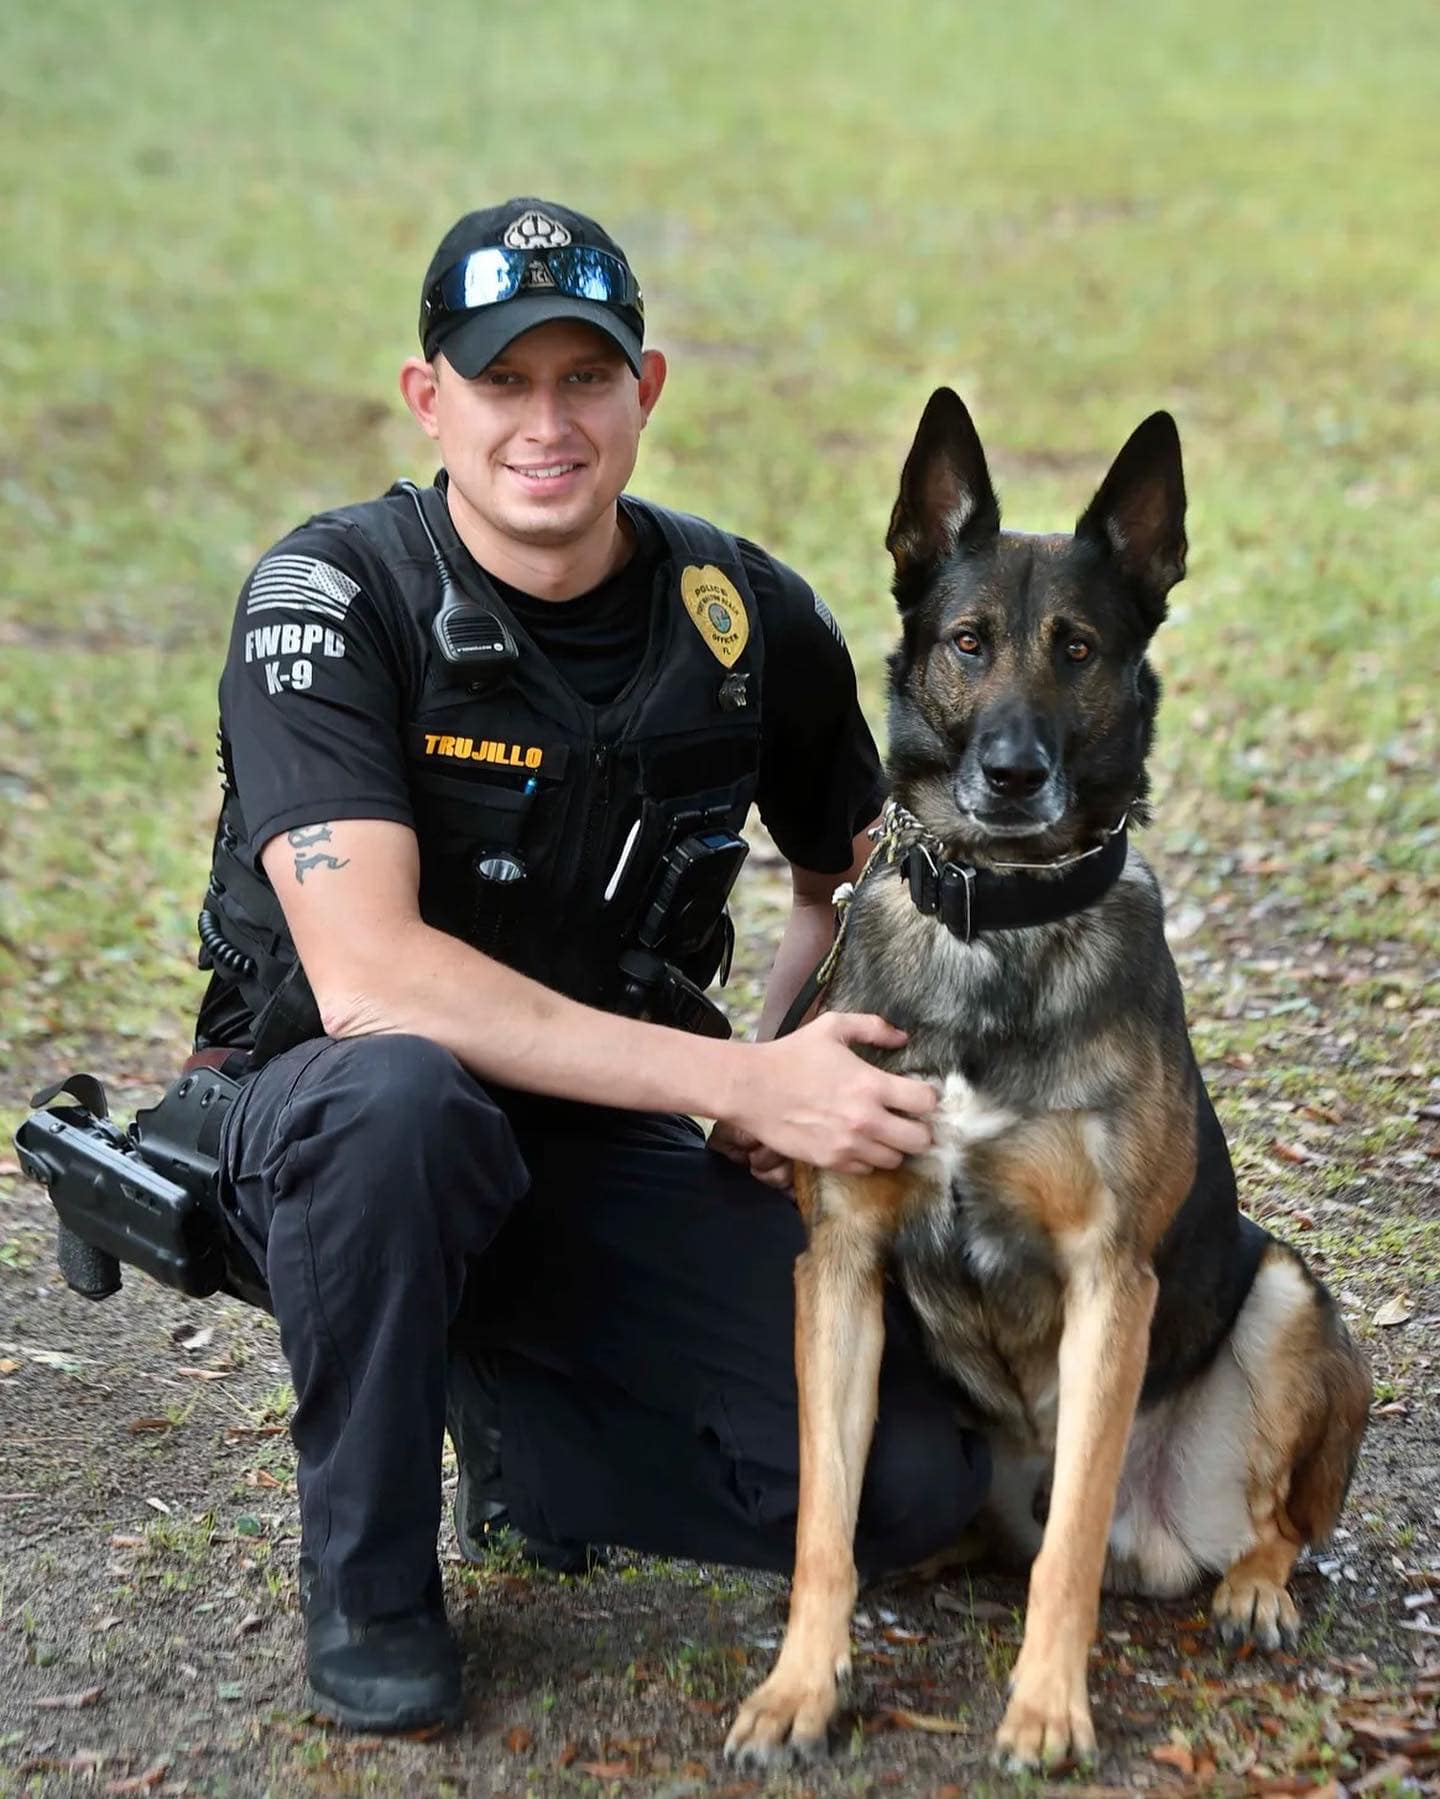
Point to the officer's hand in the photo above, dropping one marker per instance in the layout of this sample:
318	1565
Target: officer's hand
739	1146
808	1098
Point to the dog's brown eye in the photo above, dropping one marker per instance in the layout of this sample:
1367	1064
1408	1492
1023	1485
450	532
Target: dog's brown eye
967	643
1078	650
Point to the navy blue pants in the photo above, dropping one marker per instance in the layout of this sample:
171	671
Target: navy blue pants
632	1291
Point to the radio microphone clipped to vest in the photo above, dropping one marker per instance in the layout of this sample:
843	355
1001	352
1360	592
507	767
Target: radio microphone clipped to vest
466	633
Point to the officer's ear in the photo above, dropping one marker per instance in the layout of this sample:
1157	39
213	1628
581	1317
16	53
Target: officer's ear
653	370
419	385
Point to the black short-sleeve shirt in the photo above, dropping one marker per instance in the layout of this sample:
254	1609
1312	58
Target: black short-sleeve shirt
325	667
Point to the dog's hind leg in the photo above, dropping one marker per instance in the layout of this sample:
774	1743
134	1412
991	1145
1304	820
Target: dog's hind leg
839	1336
1310	1393
1103	1346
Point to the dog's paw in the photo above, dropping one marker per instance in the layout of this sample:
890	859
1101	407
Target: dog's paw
1046	1724
1248	1608
787	1718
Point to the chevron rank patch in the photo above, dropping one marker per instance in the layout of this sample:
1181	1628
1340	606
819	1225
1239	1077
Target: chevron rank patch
716	610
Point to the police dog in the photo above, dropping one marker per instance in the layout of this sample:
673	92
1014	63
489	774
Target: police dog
1165	1385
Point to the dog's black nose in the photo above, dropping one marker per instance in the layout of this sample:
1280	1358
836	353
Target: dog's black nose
1015	771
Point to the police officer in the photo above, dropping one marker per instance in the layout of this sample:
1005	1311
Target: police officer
487	749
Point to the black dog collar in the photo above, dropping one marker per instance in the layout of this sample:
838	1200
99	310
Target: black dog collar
970	901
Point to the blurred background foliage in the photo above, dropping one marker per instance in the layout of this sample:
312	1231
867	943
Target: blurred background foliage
213	221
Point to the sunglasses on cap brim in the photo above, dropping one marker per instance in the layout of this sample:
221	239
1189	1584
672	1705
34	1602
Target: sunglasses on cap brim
486	277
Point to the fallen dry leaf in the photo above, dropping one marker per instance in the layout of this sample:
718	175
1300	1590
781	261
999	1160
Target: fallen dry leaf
1393	1768
140	1783
519	1740
193	1336
604	1770
1175	1755
203	1373
139	1426
971	1608
70	1702
1291	1152
8	1365
908	1720
1395	1311
567	1755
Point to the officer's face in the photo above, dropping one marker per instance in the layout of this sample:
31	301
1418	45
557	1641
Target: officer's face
542	442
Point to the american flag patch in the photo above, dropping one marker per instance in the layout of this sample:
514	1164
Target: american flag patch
827	618
301	584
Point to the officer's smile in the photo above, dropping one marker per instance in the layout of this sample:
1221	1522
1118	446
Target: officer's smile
544	474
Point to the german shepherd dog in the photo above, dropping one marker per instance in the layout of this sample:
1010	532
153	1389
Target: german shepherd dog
1177	1379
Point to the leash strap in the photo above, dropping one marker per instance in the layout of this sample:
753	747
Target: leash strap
886	849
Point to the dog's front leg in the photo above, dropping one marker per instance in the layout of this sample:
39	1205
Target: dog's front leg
1103	1346
839	1335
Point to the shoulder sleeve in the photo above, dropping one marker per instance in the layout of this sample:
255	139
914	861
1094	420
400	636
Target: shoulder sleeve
820	775
312	696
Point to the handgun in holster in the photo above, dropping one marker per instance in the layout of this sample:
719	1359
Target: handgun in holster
147	1196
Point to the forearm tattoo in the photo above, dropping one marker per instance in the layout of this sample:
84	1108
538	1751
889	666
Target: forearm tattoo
307	858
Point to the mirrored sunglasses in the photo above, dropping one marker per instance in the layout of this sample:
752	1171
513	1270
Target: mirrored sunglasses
486	277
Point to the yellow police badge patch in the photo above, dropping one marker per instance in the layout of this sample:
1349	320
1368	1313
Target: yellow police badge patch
717	611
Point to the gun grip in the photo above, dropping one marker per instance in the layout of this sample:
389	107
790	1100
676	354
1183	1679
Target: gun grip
88	1270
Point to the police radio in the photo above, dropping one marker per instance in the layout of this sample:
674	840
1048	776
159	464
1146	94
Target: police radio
685	937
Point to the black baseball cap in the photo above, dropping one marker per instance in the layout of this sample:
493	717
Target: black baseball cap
500	272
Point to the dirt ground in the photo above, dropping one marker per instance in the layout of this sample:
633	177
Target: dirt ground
149	1637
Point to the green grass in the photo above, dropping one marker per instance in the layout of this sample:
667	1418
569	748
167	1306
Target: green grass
215	220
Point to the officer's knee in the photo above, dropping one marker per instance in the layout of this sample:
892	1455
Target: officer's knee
926	1479
412	1075
399	1115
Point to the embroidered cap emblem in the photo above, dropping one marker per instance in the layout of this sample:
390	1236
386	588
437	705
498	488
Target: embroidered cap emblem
535	231
716	610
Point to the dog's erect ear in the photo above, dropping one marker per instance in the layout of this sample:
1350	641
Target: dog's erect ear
945	494
1138	516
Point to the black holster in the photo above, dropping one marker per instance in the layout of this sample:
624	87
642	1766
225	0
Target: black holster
147	1196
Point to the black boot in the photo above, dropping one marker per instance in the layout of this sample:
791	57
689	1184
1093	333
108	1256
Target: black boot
393	1672
482	1513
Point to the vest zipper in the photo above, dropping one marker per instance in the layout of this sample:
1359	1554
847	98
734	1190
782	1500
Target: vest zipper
596	815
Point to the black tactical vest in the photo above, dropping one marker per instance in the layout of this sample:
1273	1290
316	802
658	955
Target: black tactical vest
588	800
